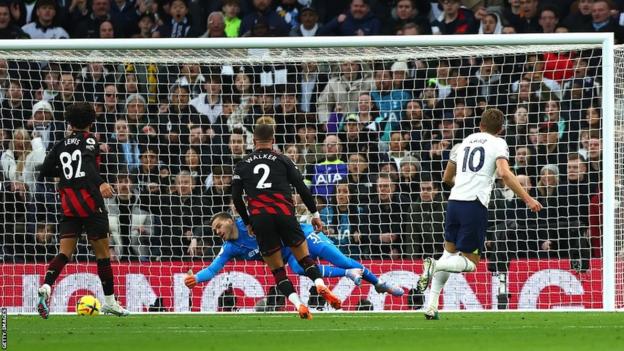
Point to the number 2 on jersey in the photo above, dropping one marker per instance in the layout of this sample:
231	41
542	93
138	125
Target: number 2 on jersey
66	162
469	158
262	184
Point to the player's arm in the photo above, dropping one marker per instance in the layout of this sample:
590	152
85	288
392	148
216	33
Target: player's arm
509	178
449	173
296	179
213	269
237	196
90	153
49	167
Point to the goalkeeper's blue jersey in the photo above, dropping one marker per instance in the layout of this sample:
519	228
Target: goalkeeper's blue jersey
245	247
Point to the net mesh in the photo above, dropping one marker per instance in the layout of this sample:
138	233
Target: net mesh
172	124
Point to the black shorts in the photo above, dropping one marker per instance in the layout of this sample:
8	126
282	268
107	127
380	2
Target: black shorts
274	232
95	226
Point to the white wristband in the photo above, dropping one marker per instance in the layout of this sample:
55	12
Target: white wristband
316	215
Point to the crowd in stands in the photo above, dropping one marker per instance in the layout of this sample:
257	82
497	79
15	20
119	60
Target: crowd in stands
56	19
372	138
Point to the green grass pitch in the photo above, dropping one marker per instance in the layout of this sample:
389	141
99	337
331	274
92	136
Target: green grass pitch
326	332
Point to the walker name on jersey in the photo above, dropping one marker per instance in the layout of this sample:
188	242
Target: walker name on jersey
255	157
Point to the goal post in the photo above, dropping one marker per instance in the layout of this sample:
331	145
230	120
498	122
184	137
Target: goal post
567	259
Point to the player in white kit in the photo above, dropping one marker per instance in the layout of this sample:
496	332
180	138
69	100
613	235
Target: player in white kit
471	173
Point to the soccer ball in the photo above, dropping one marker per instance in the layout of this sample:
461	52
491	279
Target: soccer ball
88	305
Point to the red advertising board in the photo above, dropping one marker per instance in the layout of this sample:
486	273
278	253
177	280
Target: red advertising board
533	284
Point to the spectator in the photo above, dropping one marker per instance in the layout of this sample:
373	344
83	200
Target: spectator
576	189
146	26
342	221
342	91
152	177
398	149
231	9
416	128
209	103
106	30
360	177
491	24
311	81
548	19
551	150
20	160
14	108
286	117
216	26
489	82
390	101
357	139
307	141
309	24
409	171
131	227
90	82
9	30
46	25
359	20
263	14
409	12
512	14
454	19
218	195
524	162
529	22
603	22
425	228
87	24
381	220
581	17
126	15
594	157
66	96
516	133
330	171
289	11
179	26
43	124
191	76
124	153
175	120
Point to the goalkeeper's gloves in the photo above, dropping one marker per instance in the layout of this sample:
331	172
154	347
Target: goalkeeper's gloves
190	281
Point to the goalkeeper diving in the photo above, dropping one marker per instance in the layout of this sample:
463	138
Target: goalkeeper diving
239	244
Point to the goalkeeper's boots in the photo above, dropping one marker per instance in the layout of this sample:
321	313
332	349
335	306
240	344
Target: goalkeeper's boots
304	312
355	274
431	314
327	294
115	309
383	287
427	274
43	308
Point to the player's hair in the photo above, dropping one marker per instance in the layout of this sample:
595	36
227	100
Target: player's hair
492	120
265	129
80	115
221	215
573	156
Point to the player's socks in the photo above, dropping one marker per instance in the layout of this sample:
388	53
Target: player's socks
55	268
437	284
105	272
455	264
311	270
295	300
332	271
370	277
284	285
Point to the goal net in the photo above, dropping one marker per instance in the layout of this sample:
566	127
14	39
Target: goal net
370	129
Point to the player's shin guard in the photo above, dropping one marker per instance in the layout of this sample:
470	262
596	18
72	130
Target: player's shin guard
105	272
285	286
55	268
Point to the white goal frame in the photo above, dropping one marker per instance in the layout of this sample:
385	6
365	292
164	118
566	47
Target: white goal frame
605	40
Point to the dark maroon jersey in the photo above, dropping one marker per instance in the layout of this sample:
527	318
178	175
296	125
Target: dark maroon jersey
267	178
76	161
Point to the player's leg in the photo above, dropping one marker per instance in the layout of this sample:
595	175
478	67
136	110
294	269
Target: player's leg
270	248
66	250
333	255
101	246
311	270
105	272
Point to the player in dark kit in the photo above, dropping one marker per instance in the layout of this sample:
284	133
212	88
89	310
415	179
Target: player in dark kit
75	161
266	177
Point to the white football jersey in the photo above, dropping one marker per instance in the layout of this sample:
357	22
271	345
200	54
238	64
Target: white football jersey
475	160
